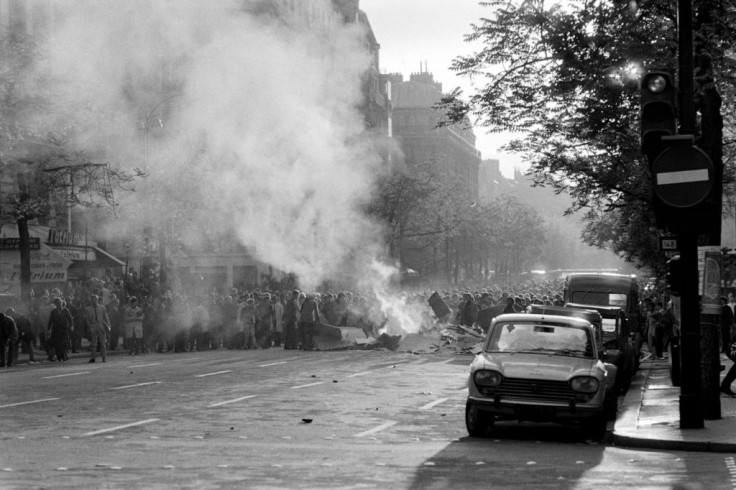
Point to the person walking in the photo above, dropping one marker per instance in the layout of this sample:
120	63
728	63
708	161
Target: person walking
58	331
134	327
99	325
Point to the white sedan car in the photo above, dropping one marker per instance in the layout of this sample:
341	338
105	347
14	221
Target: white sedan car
541	368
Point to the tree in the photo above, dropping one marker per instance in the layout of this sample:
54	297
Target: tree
37	149
565	78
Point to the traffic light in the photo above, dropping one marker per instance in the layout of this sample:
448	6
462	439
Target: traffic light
658	111
673	277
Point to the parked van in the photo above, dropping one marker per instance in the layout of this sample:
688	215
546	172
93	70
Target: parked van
606	289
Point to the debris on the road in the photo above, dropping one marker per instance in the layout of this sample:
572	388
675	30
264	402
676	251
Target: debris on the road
307	421
435	336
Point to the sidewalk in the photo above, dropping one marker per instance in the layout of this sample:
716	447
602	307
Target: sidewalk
650	415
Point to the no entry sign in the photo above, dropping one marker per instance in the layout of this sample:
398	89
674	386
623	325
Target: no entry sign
683	176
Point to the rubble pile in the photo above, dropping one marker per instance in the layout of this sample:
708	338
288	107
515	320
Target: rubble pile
439	338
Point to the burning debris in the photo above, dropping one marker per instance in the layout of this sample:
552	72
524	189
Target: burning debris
434	335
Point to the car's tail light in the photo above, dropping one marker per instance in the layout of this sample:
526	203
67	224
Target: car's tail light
585	384
487	378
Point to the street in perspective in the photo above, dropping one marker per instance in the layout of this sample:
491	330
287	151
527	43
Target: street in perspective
282	419
367	244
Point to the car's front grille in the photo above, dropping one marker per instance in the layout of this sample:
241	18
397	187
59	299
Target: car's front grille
535	389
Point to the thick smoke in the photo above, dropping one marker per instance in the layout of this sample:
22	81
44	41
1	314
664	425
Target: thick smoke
262	135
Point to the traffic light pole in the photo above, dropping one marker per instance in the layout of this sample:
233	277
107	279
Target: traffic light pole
691	390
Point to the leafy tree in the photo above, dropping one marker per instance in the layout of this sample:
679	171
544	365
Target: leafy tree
565	77
45	171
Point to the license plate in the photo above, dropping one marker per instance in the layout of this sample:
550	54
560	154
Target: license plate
533	411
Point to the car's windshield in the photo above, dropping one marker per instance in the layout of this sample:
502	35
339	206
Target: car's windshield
599	298
549	338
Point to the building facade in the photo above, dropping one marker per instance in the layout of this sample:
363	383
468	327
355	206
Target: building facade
415	126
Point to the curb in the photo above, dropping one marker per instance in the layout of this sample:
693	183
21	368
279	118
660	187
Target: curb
627	425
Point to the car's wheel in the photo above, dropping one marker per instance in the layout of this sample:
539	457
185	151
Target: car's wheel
595	428
477	421
610	407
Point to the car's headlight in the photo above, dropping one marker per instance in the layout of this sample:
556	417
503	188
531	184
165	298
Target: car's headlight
585	384
487	378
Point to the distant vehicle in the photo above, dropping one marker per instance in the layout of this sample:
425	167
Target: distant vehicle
541	368
605	289
620	343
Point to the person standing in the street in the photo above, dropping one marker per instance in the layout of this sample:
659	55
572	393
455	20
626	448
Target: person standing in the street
115	315
731	374
26	337
264	321
58	331
8	338
134	327
247	322
308	316
278	319
291	312
99	325
727	319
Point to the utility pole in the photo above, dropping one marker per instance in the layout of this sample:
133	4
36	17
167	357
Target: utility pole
691	390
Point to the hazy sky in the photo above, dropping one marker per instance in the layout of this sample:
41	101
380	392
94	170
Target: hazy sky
414	31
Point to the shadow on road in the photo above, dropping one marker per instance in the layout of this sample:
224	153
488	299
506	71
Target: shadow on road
514	455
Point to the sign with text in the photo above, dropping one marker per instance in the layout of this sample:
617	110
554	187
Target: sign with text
14	243
46	266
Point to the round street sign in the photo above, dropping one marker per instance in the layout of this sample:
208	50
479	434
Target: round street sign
683	176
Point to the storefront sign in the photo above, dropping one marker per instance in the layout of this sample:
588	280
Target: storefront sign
61	237
46	266
77	254
14	243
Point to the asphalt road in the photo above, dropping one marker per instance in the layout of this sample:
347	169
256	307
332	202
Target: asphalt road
291	419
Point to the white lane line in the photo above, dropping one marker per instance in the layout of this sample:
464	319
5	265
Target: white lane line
64	375
145	365
231	401
119	427
135	386
272	364
213	374
433	404
376	429
28	403
305	386
358	374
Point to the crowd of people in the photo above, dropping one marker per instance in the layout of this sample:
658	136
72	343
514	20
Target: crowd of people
112	317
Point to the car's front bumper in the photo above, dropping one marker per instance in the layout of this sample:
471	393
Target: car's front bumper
538	411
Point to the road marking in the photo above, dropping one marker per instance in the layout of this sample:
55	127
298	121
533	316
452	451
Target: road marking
145	365
28	403
272	364
433	404
358	374
64	375
119	427
376	429
305	386
212	374
232	401
134	386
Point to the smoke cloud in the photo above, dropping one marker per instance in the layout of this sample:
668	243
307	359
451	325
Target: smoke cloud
262	135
